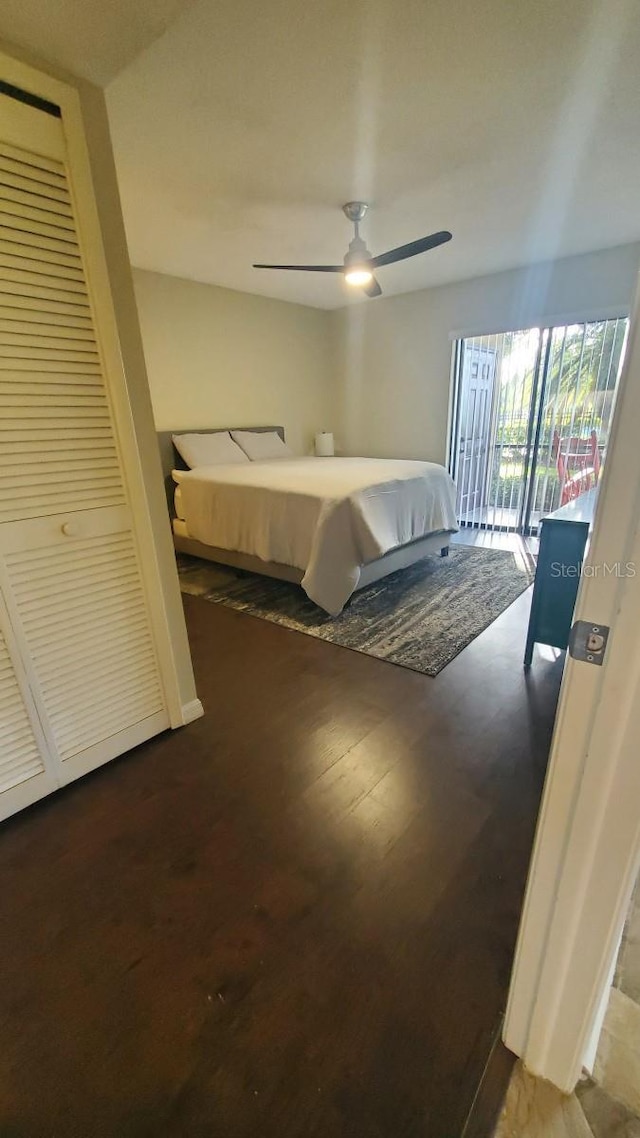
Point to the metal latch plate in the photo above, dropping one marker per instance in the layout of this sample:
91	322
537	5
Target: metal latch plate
588	641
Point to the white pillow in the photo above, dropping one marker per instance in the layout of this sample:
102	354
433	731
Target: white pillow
208	450
260	445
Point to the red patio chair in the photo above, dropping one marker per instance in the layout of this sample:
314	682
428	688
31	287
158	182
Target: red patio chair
577	463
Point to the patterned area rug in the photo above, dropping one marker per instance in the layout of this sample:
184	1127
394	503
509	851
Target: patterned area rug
420	617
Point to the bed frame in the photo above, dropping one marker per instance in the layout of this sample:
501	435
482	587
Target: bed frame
399	558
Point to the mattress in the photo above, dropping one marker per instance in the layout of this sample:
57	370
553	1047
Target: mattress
327	517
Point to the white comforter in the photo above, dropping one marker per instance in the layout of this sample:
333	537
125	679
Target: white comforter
326	516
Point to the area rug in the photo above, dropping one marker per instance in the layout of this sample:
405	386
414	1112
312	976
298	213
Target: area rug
419	618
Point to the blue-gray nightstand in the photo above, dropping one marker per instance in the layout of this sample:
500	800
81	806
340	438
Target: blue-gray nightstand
563	538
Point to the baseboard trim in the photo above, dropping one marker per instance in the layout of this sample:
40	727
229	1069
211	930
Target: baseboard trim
190	711
492	1088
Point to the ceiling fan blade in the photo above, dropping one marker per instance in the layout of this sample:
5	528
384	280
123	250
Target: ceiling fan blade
305	268
373	288
422	245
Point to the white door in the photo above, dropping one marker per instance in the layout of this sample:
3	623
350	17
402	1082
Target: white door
70	585
587	849
27	769
474	436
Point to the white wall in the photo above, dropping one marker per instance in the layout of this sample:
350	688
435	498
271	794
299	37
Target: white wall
219	358
392	357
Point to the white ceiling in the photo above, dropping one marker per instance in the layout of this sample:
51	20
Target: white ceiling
242	129
91	38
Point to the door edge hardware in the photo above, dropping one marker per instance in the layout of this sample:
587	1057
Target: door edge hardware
588	641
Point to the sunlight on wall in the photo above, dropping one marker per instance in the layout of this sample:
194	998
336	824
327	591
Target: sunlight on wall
576	124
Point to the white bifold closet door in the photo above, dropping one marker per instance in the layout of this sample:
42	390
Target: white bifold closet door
79	676
25	769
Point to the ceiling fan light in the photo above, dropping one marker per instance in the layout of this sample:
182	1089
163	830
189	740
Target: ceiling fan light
358	275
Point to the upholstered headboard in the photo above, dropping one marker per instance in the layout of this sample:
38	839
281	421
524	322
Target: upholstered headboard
171	460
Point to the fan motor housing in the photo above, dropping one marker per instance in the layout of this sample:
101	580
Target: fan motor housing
358	254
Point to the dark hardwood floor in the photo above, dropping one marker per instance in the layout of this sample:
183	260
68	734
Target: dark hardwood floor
294	917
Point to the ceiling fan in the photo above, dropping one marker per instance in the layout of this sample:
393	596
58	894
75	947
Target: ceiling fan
359	265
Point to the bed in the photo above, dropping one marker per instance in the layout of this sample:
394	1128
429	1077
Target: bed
331	525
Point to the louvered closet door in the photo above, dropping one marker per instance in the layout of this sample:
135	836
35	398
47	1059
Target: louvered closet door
69	568
27	770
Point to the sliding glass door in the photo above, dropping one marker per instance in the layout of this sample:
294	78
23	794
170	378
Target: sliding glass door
532	411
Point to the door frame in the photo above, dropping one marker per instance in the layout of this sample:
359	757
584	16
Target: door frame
586	853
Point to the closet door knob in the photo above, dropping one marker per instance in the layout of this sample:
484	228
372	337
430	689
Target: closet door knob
70	529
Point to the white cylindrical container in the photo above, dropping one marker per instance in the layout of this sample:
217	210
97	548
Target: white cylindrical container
324	444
